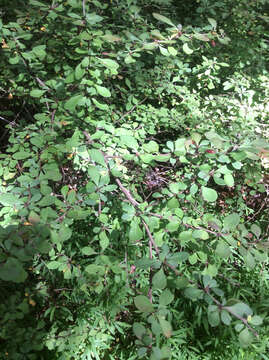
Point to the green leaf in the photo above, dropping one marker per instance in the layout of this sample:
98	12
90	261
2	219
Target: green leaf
185	235
12	270
33	218
103	91
229	180
93	18
215	139
72	103
223	250
166	297
156	354
249	260
87	250
94	269
172	226
111	38
65	233
36	93
135	233
145	263
21	155
186	49
166	327
172	51
245	338
139	330
100	105
239	327
147	158
104	240
129	141
79	72
182	283
225	317
110	64
52	265
159	280
256	230
85	62
163	51
129	59
141	352
8	199
163	19
202	37
240	309
212	22
143	304
162	157
53	175
193	259
193	293
97	156
213	318
174	188
200	234
209	194
173	203
180	148
94	174
151	147
37	141
193	189
231	221
256	320
150	46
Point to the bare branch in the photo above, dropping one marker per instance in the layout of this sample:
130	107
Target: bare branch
127	193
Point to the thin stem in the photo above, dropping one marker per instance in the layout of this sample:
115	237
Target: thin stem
127	193
83	8
151	237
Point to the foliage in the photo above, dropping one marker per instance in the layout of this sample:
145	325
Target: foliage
134	185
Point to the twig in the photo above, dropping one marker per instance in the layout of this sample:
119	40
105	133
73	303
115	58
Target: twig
88	137
150	273
244	321
52	117
83	8
127	193
126	268
258	211
209	231
99	208
7	121
151	237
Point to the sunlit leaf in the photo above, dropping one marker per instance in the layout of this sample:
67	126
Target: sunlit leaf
163	19
209	194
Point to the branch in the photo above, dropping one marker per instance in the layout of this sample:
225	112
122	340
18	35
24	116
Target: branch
150	273
227	308
244	321
7	121
83	8
127	193
151	237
